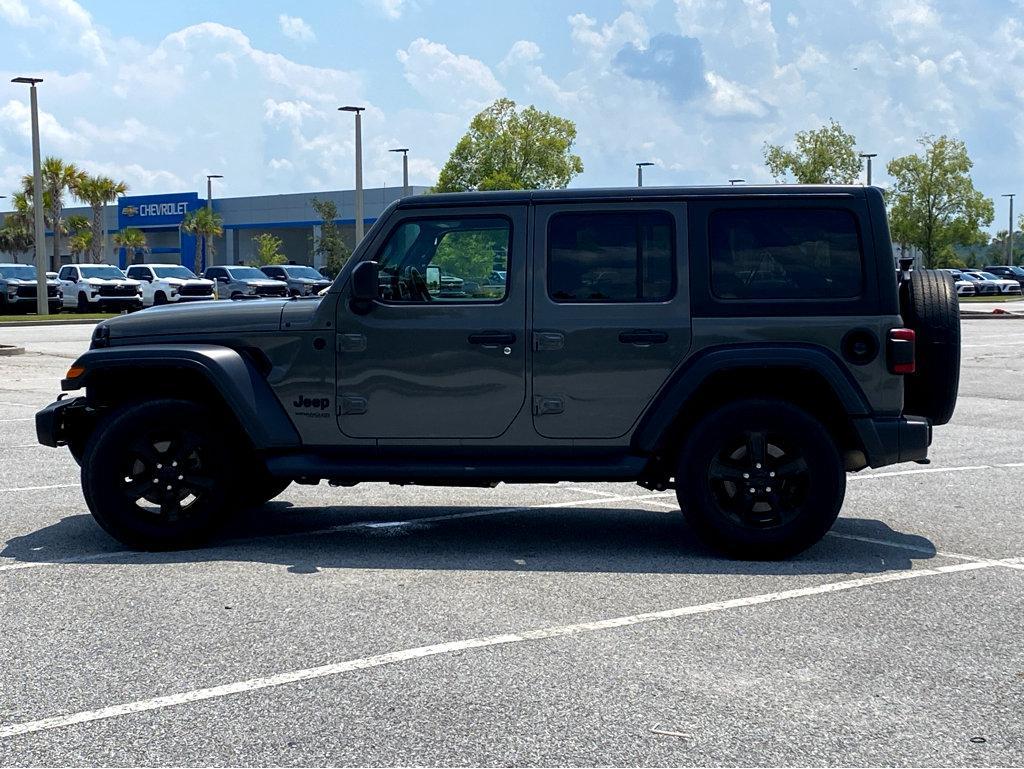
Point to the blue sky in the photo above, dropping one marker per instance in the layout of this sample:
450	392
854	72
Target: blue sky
160	94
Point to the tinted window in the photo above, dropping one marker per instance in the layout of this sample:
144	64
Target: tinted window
174	272
785	253
138	273
66	273
611	257
458	260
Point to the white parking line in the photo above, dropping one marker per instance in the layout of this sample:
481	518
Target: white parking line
420	652
10	403
20	419
42	488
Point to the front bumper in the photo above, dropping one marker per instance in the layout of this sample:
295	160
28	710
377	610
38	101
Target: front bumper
888	440
30	301
178	298
55	422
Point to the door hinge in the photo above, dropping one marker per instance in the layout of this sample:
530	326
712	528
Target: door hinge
352	404
351	343
548	404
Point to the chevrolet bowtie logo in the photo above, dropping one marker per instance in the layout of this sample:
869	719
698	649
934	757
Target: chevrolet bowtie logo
130	211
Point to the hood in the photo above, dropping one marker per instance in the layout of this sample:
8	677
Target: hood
111	282
187	281
198	320
261	282
20	282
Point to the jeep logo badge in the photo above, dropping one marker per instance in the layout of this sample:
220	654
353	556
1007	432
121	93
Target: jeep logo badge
302	402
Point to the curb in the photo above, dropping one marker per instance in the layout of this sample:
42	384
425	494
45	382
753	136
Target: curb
10	349
20	323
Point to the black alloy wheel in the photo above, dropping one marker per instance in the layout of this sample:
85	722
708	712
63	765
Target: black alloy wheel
760	479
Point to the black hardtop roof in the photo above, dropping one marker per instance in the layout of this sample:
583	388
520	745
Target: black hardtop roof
634	193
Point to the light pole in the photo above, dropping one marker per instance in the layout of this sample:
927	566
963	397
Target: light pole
640	173
42	301
1009	237
867	156
405	168
209	189
359	168
734	182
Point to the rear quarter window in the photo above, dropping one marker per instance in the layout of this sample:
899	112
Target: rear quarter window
785	253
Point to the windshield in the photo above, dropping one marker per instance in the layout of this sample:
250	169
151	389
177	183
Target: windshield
174	272
988	276
303	272
18	272
104	271
246	273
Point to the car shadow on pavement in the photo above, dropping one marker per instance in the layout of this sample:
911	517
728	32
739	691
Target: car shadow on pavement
602	540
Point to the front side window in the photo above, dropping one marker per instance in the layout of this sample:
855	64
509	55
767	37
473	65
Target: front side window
611	257
785	253
457	260
66	273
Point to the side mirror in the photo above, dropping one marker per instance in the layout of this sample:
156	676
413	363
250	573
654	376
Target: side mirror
365	286
221	279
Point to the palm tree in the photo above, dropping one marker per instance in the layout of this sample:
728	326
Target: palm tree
98	191
58	177
80	241
204	224
132	241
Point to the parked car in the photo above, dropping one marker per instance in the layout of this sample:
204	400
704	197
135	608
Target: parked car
301	280
982	286
1004	286
18	290
963	286
96	287
1007	272
170	283
244	283
704	374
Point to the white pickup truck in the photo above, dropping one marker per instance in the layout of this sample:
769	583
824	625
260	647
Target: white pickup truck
96	286
170	284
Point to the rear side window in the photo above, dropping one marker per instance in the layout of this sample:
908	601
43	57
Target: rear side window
611	257
785	253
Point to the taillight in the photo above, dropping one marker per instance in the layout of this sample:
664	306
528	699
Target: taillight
901	351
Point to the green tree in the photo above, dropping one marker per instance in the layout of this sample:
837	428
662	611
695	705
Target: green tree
507	148
933	204
826	155
470	253
97	192
205	226
132	241
14	239
58	178
330	245
268	249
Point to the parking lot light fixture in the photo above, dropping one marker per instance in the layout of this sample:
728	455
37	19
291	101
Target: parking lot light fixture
734	182
405	168
42	300
640	173
209	189
1009	233
867	156
359	168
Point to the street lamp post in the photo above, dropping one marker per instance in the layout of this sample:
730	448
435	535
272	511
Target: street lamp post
1009	236
209	207
867	156
405	168
42	300
359	168
640	173
734	182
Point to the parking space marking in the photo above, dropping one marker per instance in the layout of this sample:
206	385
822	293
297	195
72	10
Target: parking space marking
19	419
405	655
9	403
42	488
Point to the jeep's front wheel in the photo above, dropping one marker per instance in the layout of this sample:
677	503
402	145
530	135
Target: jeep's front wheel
156	475
760	479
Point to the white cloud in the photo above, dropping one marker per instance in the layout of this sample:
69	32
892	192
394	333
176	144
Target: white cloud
295	28
521	52
14	12
450	81
73	22
599	41
730	99
16	116
391	9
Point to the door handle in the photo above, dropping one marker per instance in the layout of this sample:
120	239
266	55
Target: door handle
643	337
492	338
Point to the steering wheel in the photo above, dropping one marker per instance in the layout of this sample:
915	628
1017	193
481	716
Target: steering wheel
419	286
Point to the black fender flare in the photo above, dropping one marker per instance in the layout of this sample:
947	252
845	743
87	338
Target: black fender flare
230	373
685	382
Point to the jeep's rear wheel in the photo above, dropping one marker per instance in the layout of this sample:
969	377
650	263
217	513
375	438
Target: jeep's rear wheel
156	475
930	306
760	479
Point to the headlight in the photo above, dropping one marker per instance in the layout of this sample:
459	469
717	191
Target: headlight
250	289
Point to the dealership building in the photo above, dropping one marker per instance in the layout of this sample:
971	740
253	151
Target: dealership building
288	217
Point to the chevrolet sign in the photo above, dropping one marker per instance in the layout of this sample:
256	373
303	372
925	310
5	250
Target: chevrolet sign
156	210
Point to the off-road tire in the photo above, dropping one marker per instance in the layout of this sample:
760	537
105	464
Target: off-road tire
159	298
791	510
83	303
929	305
128	458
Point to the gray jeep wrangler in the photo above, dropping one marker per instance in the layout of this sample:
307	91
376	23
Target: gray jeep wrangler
745	347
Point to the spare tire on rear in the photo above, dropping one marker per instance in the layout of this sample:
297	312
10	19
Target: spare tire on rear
929	305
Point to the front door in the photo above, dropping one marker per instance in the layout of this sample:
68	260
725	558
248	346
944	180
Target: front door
611	313
442	352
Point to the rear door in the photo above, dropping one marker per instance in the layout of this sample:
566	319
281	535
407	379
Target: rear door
611	313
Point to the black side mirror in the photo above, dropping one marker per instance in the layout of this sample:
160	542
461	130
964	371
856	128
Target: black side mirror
365	286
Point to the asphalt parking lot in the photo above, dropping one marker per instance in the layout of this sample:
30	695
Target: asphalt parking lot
567	624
